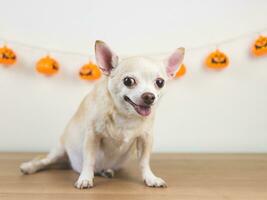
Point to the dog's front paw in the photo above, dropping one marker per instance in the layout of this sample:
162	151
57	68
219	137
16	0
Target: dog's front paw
154	181
28	167
83	183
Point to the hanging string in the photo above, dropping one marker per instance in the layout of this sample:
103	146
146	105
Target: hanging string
222	42
228	40
47	50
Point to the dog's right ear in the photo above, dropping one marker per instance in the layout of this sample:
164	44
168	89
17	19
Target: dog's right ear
174	62
105	57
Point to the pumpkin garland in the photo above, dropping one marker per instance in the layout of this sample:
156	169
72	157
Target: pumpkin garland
90	72
47	66
217	60
259	47
7	56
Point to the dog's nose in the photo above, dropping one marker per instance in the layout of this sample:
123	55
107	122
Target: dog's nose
148	98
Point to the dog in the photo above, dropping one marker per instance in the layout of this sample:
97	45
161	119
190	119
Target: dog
114	118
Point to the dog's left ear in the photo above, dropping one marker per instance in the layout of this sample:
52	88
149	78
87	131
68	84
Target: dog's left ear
105	57
174	62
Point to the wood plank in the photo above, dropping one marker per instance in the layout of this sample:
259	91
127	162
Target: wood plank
189	177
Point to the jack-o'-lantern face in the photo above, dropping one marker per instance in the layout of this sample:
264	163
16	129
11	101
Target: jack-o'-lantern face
90	71
47	66
7	56
181	71
259	48
217	60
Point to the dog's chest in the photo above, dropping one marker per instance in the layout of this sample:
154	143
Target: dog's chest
122	130
119	133
116	142
118	127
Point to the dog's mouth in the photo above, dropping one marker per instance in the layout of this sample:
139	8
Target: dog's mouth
140	109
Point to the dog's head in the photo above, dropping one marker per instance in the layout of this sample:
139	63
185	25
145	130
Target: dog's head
136	83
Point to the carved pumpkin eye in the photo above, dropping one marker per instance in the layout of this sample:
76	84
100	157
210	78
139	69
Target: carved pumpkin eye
259	47
129	82
47	66
7	56
217	60
90	71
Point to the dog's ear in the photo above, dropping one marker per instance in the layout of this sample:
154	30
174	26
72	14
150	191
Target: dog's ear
105	57
174	62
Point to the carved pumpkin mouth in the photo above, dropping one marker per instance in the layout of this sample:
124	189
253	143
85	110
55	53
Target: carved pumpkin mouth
257	46
216	61
4	56
89	73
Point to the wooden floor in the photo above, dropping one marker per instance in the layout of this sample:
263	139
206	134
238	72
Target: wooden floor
189	177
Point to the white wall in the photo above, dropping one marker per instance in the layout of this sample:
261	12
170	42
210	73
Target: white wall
202	112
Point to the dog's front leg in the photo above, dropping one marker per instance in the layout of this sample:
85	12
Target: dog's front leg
144	145
90	146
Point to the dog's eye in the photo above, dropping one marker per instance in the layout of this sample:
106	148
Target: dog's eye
159	82
129	81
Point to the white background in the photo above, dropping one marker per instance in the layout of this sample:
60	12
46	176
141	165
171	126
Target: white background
204	111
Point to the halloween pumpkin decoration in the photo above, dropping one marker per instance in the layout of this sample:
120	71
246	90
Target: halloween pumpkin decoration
7	56
259	47
47	66
90	72
181	71
217	60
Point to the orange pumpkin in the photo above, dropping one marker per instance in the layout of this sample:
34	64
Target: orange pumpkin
47	66
181	71
7	56
259	47
90	72
217	60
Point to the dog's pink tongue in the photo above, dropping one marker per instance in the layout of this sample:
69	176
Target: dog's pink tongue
144	111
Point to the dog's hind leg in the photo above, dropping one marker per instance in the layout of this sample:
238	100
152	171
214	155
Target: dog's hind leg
109	173
55	156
